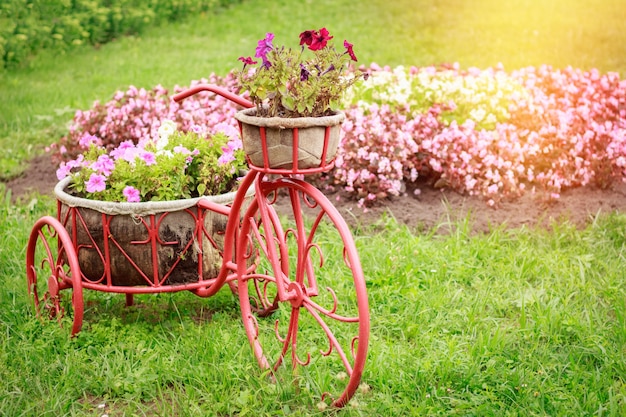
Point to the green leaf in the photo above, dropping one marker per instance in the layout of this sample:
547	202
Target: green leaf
287	102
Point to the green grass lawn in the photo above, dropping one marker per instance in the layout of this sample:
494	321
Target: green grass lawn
526	322
510	323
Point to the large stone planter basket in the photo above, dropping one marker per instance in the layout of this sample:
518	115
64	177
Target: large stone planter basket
144	244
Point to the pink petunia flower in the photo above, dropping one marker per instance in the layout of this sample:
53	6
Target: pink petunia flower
228	129
88	139
181	149
96	183
226	158
120	151
63	171
234	144
131	194
104	165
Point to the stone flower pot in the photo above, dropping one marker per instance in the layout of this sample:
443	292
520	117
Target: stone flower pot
269	141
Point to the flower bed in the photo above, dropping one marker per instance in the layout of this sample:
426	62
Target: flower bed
485	133
490	133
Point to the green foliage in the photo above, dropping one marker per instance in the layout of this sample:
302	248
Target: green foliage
28	26
187	165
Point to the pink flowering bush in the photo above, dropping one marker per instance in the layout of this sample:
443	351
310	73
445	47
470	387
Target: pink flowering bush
488	133
577	124
174	166
379	151
136	114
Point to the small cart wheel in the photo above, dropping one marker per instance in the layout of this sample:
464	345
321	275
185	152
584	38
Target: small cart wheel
52	266
309	283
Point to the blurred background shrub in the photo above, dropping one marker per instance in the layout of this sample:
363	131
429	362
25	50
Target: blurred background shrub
28	26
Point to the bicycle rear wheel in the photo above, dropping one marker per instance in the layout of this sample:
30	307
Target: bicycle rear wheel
308	279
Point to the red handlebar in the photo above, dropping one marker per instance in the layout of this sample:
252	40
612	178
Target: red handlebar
215	89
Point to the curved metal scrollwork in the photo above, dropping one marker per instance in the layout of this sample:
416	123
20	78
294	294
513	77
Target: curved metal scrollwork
309	281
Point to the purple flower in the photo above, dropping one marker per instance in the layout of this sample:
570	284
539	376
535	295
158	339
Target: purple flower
148	157
131	194
263	48
331	68
304	73
97	182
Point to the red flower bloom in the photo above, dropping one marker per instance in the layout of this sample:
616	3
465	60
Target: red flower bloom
247	61
320	39
349	50
306	37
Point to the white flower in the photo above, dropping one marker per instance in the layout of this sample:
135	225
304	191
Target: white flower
477	114
166	152
165	131
363	387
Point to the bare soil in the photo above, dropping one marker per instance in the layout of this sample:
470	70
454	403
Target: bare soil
431	208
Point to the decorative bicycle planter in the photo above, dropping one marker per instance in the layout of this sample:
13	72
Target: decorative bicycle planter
299	280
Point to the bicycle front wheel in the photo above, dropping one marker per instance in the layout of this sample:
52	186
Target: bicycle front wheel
52	266
305	304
